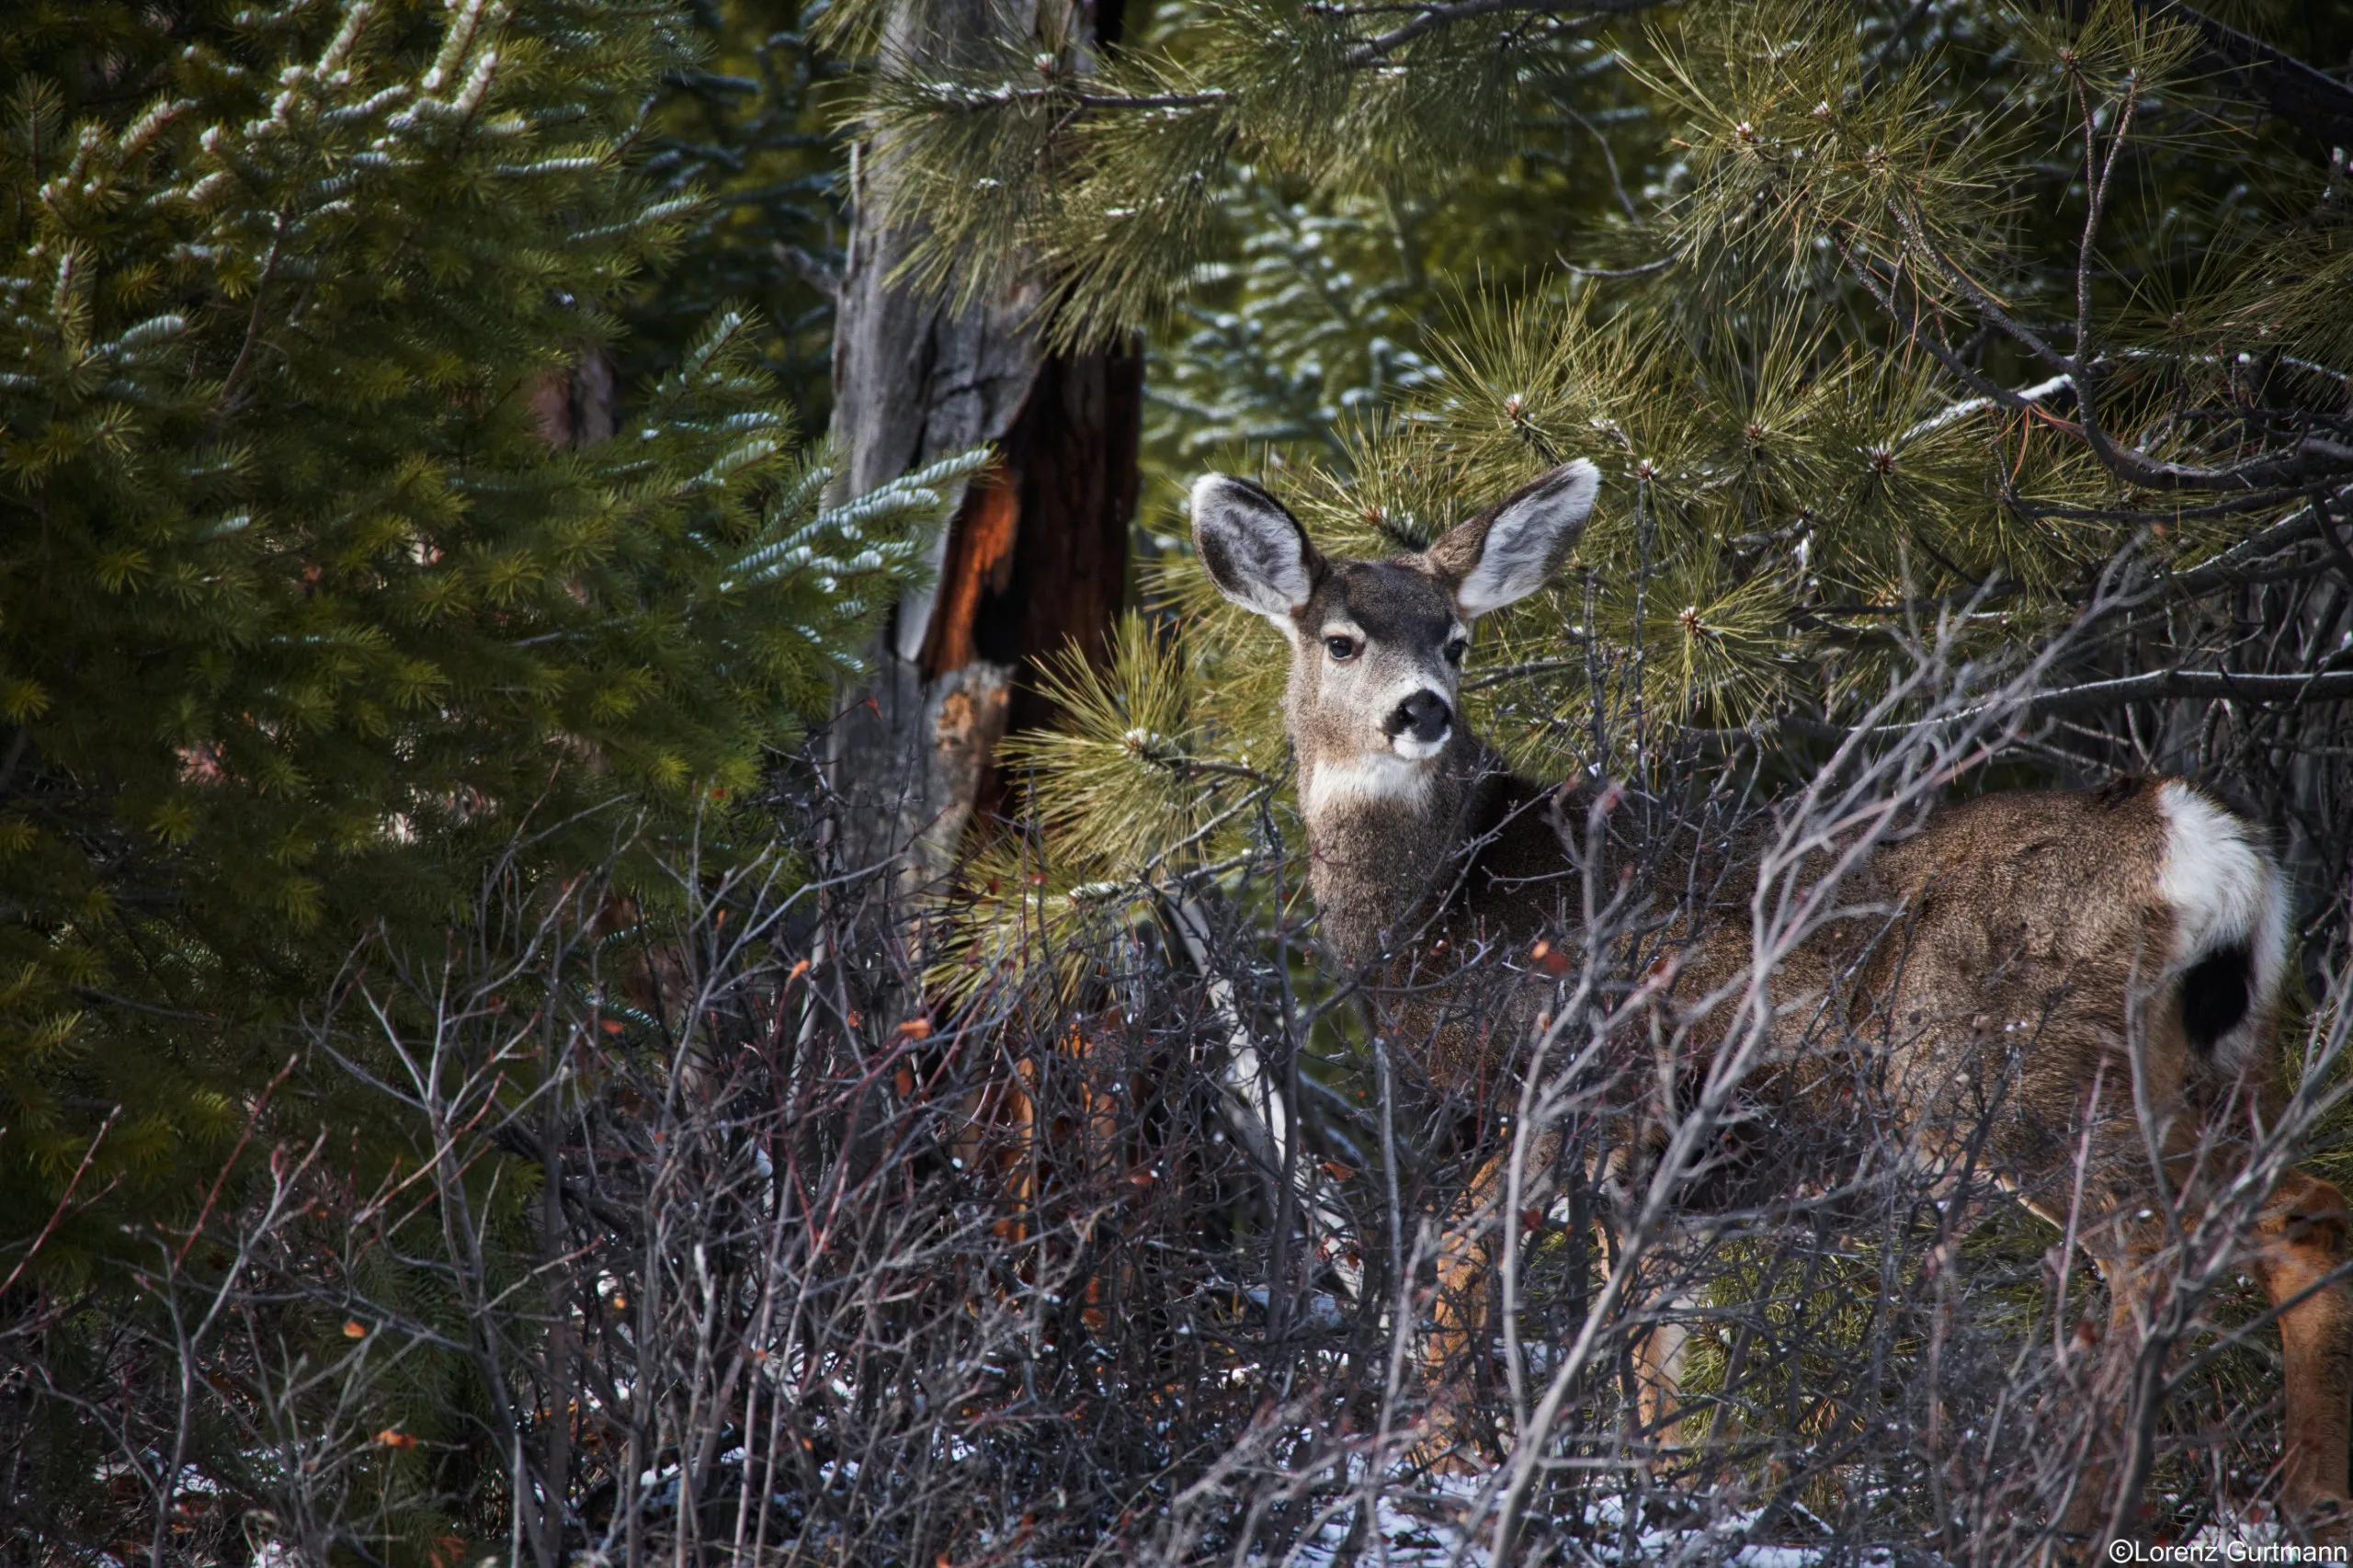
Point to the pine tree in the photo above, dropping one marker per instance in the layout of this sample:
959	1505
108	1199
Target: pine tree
1869	316
304	623
1037	554
2019	325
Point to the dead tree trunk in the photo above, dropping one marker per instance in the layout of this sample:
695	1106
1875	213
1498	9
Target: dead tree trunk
1036	554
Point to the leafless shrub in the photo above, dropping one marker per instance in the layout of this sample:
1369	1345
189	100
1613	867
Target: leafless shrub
614	1234
652	1229
1890	1352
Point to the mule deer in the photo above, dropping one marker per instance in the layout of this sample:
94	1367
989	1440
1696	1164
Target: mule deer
2040	941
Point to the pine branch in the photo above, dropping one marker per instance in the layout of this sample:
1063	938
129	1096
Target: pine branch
2267	546
2313	460
2095	697
975	100
2208	685
1374	51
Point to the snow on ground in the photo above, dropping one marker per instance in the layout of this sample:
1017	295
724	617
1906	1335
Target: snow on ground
1425	1526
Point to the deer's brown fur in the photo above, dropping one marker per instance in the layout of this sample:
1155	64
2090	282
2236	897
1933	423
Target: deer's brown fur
2015	961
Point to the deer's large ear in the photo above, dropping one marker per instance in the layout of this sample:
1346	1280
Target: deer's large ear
1510	552
1256	551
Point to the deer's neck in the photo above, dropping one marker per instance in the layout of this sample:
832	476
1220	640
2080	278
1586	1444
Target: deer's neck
1385	839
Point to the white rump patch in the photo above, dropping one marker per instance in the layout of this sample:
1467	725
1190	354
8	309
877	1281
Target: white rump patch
2224	890
1373	777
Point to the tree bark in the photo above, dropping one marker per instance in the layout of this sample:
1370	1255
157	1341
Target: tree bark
1036	557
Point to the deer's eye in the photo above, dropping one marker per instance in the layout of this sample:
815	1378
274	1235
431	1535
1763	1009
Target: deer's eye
1455	648
1340	647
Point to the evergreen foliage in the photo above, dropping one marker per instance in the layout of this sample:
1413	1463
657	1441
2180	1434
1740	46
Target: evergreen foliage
1314	326
1995	327
1867	313
304	623
744	126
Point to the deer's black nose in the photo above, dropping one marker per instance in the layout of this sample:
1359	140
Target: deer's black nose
1424	715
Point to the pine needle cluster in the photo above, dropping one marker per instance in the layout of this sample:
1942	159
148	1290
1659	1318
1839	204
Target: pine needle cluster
1313	326
1878	322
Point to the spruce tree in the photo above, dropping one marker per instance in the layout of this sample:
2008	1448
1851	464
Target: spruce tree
303	622
745	123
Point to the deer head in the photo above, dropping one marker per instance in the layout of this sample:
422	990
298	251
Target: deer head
1376	646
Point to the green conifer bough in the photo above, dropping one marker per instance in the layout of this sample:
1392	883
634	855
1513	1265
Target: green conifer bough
301	617
1876	317
746	126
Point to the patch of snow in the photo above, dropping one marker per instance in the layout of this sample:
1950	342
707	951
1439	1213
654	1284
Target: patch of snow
1440	1522
1410	1537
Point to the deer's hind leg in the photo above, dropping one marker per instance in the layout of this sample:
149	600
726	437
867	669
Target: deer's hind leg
2299	1247
2300	1250
2126	1256
1658	1376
